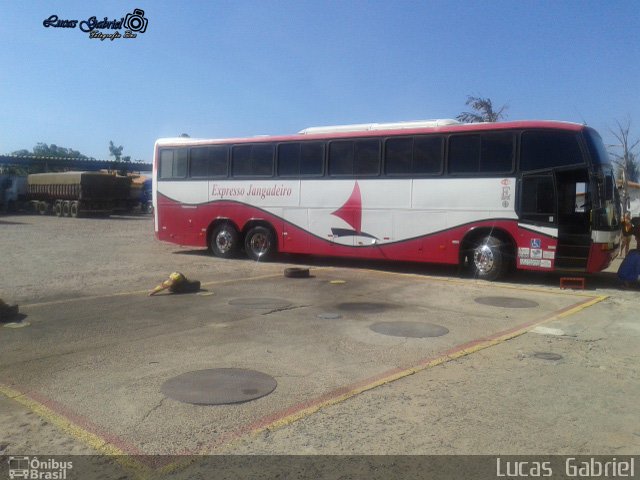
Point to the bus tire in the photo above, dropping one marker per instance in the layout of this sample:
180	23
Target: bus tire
487	259
224	241
259	243
296	272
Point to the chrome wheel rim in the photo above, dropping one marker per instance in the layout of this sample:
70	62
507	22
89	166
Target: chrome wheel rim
259	244
483	259
224	241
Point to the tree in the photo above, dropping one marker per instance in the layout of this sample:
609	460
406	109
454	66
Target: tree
484	111
49	151
627	160
44	150
114	151
22	153
624	153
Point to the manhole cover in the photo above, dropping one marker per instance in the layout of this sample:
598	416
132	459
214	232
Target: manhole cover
506	302
330	316
260	303
369	307
409	329
219	386
547	356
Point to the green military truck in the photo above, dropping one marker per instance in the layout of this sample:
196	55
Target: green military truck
74	194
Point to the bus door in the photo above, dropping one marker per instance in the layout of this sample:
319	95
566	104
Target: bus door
574	219
537	209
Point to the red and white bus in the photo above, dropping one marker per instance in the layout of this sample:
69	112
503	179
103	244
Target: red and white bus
536	195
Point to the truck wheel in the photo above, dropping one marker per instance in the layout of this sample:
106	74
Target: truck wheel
74	210
487	259
224	241
57	209
66	208
43	208
259	244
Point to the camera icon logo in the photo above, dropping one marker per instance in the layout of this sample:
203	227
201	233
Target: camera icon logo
135	21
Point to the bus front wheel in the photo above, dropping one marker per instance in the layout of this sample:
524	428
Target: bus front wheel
259	243
224	241
487	259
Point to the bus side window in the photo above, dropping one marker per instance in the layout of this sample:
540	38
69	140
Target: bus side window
485	153
173	163
542	150
180	160
252	160
367	157
312	158
359	157
166	163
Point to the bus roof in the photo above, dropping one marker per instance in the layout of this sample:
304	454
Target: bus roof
380	129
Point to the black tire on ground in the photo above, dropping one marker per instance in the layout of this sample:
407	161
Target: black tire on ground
224	241
74	210
43	208
296	272
487	259
66	208
259	244
57	209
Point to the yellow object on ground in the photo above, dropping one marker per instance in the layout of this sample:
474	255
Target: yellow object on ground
174	278
177	283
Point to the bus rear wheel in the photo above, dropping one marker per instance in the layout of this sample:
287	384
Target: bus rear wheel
224	241
259	244
487	259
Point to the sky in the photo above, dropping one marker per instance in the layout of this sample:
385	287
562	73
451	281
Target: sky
216	69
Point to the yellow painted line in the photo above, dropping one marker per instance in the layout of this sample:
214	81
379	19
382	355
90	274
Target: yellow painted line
392	377
77	432
142	471
62	423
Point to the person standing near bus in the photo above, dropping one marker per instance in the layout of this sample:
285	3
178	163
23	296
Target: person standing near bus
627	231
629	271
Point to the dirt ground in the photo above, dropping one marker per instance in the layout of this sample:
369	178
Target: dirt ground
499	400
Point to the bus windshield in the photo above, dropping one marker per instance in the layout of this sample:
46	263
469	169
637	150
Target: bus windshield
597	150
606	201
